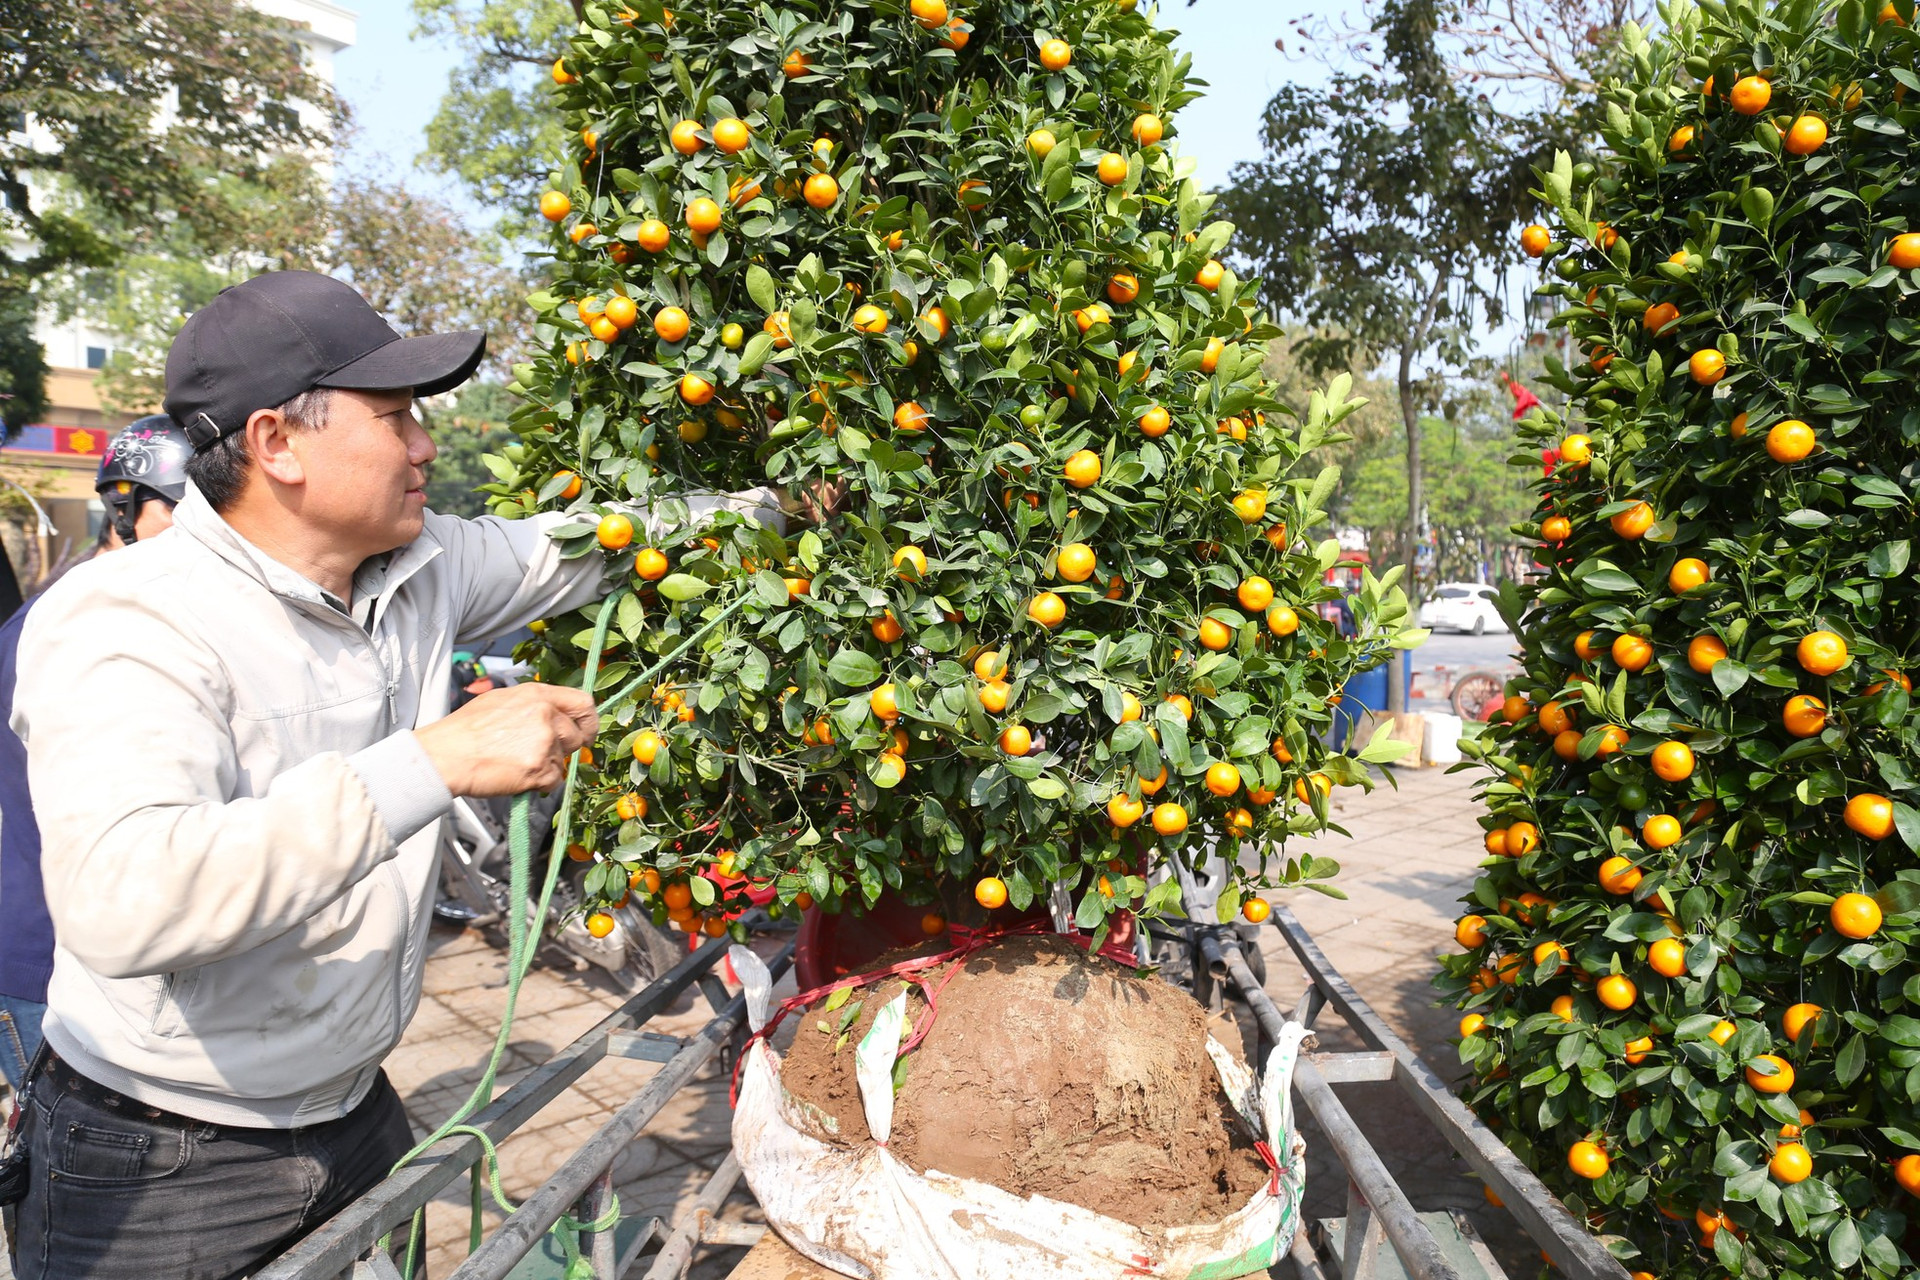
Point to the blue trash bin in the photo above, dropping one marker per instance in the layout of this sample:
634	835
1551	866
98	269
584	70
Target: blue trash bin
1365	692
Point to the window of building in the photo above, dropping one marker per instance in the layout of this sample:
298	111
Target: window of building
96	357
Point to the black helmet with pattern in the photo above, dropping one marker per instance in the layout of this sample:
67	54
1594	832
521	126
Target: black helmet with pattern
148	459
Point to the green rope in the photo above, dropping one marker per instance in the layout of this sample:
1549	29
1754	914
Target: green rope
568	1231
523	939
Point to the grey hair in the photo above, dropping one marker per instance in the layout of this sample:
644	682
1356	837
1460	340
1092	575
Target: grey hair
219	471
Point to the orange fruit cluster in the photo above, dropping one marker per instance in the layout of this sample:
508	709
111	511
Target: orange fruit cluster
966	649
1703	799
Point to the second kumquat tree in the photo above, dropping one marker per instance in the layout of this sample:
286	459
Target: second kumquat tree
1691	996
1047	601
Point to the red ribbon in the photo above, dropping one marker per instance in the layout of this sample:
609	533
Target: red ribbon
1266	1154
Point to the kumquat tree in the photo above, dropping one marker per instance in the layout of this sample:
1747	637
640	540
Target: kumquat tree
1691	998
1045	603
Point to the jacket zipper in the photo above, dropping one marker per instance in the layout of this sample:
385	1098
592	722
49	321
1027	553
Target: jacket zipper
398	881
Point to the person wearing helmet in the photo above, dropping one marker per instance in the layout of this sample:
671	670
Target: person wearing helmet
146	464
142	478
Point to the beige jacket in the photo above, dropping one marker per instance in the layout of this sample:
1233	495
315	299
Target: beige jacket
239	827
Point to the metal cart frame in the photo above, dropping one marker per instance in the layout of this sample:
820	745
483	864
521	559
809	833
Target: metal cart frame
1379	1215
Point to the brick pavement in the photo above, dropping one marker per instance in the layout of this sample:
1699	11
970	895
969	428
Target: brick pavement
437	1065
1407	857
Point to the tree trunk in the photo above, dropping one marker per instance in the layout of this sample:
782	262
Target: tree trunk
1410	347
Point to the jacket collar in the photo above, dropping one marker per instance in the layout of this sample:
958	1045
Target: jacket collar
378	578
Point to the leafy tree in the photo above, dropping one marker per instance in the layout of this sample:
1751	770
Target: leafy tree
1473	498
1542	58
1692	976
102	167
23	364
102	172
422	268
1041	491
408	253
475	427
495	129
1369	215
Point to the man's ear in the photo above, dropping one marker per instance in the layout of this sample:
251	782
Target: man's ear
270	444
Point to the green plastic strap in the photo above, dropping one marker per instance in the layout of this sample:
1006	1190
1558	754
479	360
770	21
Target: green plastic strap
567	1230
523	941
523	937
674	657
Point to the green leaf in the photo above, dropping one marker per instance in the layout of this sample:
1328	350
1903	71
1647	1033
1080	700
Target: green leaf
754	358
1906	821
853	668
1382	748
1161	898
1889	559
632	617
1729	677
1843	1246
761	289
811	551
682	586
1092	911
1610	580
1851	1061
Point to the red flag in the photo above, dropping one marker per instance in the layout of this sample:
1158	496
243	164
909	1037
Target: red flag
1523	399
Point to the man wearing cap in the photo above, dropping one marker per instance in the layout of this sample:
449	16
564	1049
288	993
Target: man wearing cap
239	749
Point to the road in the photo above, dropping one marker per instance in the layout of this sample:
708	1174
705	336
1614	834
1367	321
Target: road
1458	654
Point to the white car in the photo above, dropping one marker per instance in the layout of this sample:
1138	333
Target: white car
1462	606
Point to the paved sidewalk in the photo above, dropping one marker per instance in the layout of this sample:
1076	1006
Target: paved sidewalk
438	1064
1408	856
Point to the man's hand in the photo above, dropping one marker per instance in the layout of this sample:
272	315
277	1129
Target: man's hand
510	740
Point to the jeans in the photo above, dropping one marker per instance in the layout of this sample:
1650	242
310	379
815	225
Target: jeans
130	1193
19	1036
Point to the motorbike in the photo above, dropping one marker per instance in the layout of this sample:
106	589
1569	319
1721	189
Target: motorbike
475	879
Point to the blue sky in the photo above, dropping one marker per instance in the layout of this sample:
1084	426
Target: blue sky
394	81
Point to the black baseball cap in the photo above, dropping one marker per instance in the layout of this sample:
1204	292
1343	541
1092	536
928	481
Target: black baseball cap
263	342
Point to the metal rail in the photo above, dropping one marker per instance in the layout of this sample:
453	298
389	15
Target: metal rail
1540	1213
501	1252
700	1226
348	1242
1379	1214
1374	1203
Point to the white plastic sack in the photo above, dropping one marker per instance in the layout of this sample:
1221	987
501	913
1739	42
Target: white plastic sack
862	1212
1443	738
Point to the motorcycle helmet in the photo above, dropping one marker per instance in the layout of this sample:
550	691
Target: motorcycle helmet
148	459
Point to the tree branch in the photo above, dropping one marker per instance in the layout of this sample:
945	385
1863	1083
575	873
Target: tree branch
505	52
19	200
